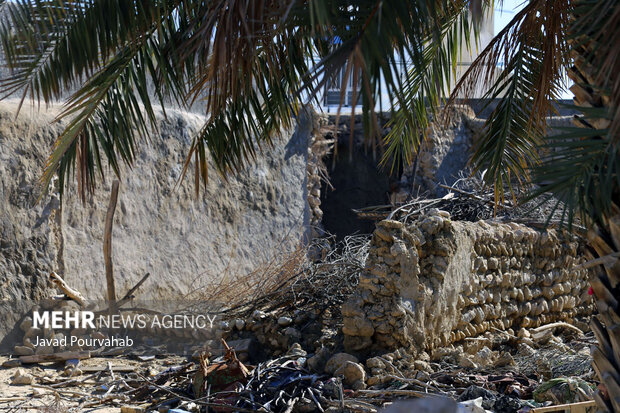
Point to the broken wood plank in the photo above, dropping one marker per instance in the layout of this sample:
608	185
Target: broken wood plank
117	369
63	356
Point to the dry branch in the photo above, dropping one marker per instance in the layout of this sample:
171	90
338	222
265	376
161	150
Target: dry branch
72	293
107	247
129	295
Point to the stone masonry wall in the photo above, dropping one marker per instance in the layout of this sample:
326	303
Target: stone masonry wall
438	282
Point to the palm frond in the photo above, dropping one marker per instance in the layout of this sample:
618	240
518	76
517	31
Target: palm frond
426	82
582	170
595	36
523	67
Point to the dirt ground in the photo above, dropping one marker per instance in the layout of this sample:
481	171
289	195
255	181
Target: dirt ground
46	393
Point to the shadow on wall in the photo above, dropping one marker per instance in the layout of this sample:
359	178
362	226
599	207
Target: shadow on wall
357	182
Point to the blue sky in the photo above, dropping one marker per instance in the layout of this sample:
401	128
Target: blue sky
505	12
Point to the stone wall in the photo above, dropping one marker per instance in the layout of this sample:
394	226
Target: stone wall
437	282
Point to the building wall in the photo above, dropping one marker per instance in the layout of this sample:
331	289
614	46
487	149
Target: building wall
185	243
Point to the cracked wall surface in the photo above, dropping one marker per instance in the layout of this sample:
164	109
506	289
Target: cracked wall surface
185	242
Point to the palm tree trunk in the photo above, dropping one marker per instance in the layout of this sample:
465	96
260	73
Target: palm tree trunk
604	240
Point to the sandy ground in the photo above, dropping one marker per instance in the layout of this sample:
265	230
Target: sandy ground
41	396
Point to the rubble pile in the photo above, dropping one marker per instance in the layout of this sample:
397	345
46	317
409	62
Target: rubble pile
490	314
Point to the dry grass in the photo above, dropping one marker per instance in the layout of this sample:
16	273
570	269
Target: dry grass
289	280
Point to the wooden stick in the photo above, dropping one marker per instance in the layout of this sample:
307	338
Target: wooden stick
558	324
13	399
73	294
129	294
395	392
107	247
64	356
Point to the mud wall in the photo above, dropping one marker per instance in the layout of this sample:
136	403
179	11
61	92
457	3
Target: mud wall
184	242
438	282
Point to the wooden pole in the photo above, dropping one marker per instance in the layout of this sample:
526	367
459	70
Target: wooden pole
107	247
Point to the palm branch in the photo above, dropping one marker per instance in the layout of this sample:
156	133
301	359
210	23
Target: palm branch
580	166
249	63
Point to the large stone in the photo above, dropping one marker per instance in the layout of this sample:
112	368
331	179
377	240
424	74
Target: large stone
24	351
352	372
337	361
358	326
317	362
21	377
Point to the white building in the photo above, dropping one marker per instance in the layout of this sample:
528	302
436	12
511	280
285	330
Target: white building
331	93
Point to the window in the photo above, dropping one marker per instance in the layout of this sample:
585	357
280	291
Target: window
333	88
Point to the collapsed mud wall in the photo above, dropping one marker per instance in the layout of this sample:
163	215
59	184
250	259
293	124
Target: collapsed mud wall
444	154
438	282
232	228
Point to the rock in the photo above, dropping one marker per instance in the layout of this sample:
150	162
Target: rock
485	357
36	392
422	366
244	347
374	380
21	377
337	360
355	343
358	326
505	359
28	343
239	324
285	321
33	332
26	324
259	315
292	335
296	350
359	385
465	361
317	362
44	349
12	363
72	372
375	362
351	372
23	351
